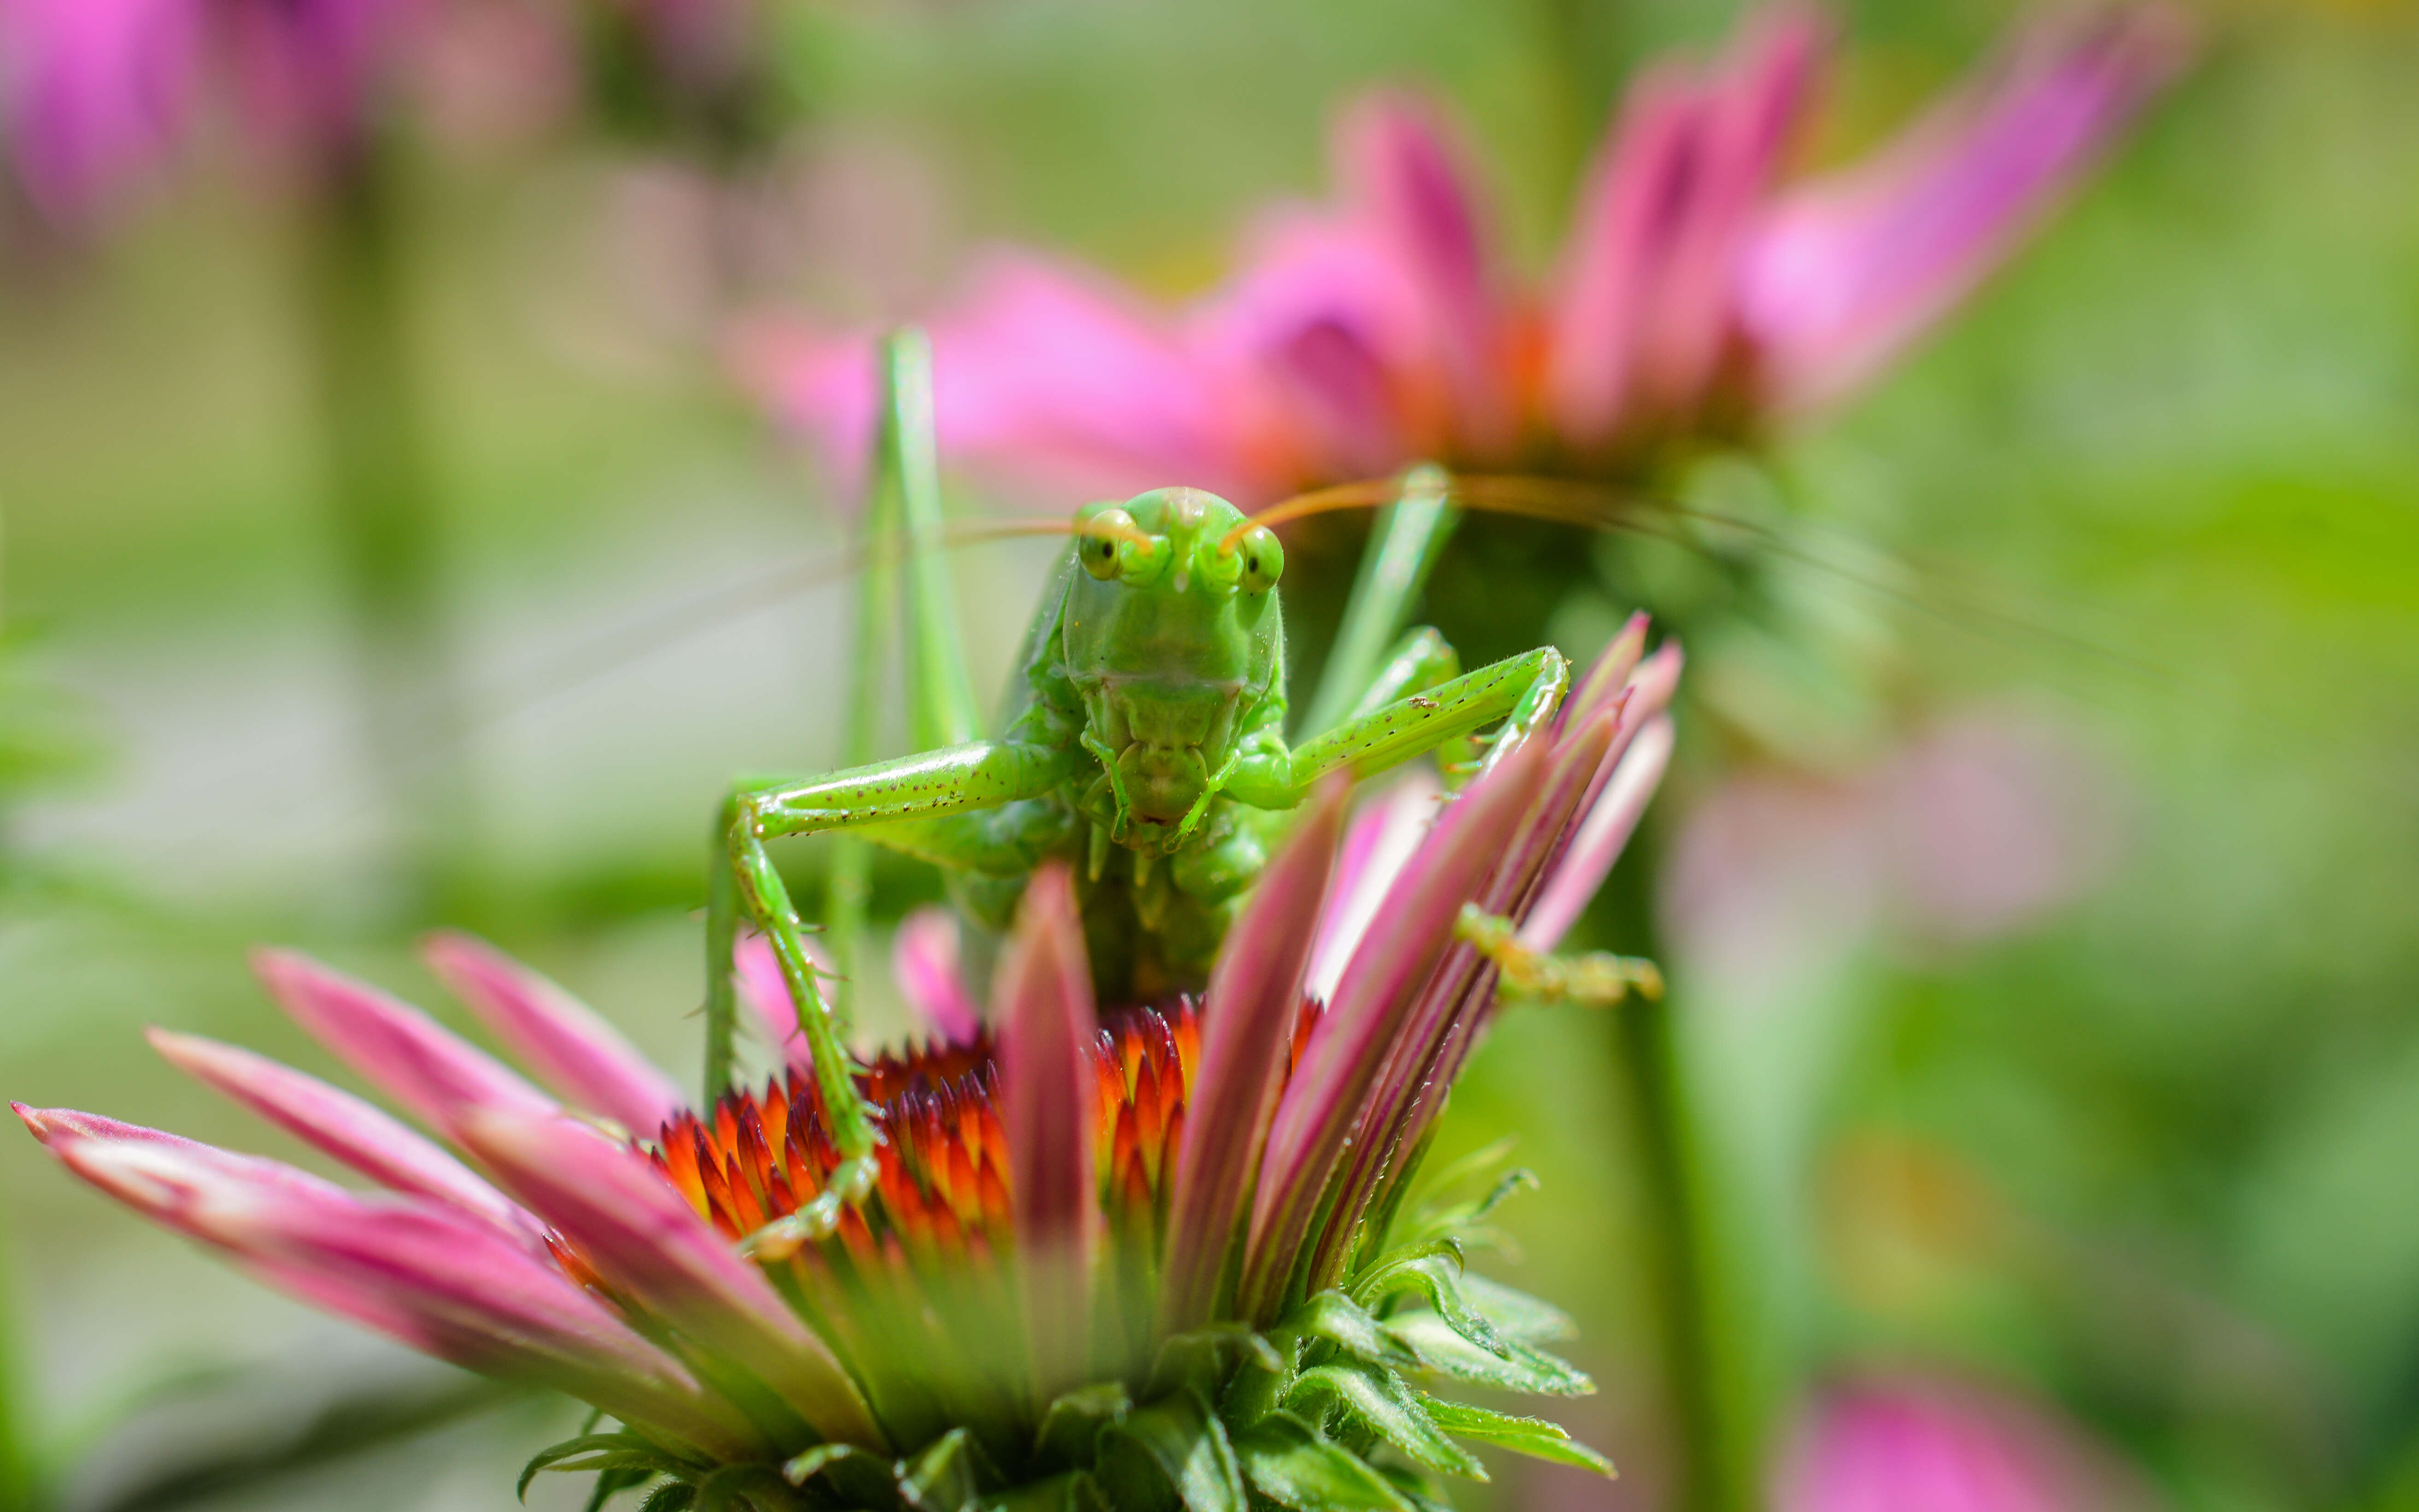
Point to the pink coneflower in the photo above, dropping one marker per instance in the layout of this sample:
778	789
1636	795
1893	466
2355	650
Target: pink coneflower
1700	297
1114	1255
96	91
1908	1442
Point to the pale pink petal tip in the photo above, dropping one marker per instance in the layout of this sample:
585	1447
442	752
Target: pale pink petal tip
1383	839
924	957
340	1125
433	1072
583	1058
1601	835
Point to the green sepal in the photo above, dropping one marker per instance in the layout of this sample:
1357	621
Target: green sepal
755	1487
948	1476
1375	1398
603	1452
1436	1276
1339	1321
1185	1447
1073	1421
1198	1359
1445	1350
613	1482
1294	1465
858	1477
1414	1487
672	1496
1532	1436
1072	1490
1517	1315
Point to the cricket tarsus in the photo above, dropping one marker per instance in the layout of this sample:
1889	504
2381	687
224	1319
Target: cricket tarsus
1144	741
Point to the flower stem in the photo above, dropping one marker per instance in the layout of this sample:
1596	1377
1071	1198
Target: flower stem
16	1450
1717	1459
381	508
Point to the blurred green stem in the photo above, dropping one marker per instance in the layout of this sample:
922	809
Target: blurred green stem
1713	1444
16	1440
381	507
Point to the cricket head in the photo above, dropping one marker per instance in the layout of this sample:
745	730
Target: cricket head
1173	638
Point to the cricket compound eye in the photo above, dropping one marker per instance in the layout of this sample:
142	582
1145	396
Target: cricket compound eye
1099	536
1263	559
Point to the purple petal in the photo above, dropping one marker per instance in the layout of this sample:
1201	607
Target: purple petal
437	1279
342	1125
433	1073
1326	1097
1255	993
1047	1026
924	959
579	1055
1405	175
1917	1445
1846	271
1606	828
1730	165
94	91
649	1245
1384	835
1625	223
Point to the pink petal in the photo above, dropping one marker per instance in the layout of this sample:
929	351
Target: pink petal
1255	993
1606	828
435	1278
1384	835
1617	250
94	91
1917	1444
579	1055
342	1125
1322	1106
1403	173
1607	677
924	959
649	1245
1846	271
433	1073
1047	1026
1745	121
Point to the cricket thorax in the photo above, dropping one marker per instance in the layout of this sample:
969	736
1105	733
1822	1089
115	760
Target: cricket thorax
1173	640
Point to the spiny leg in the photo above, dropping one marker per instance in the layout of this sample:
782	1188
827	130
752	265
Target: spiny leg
1403	546
1521	691
1595	979
911	793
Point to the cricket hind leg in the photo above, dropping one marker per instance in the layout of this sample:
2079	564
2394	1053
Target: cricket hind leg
1404	542
902	537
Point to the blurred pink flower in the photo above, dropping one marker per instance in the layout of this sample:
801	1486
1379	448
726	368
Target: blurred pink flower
97	91
1923	1444
1973	829
1697	297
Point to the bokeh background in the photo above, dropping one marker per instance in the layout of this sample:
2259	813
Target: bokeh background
2074	1058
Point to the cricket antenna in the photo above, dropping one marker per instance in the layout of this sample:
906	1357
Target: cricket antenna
1563	500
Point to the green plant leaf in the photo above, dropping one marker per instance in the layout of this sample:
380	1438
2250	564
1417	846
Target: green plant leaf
1532	1436
1436	1277
757	1486
611	1483
858	1477
672	1496
1199	1359
948	1476
1414	1488
1338	1320
1072	1490
1376	1399
1293	1465
1184	1442
1442	1348
1517	1315
619	1451
1073	1422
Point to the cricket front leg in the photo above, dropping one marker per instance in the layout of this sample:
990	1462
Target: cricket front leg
1521	692
909	790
